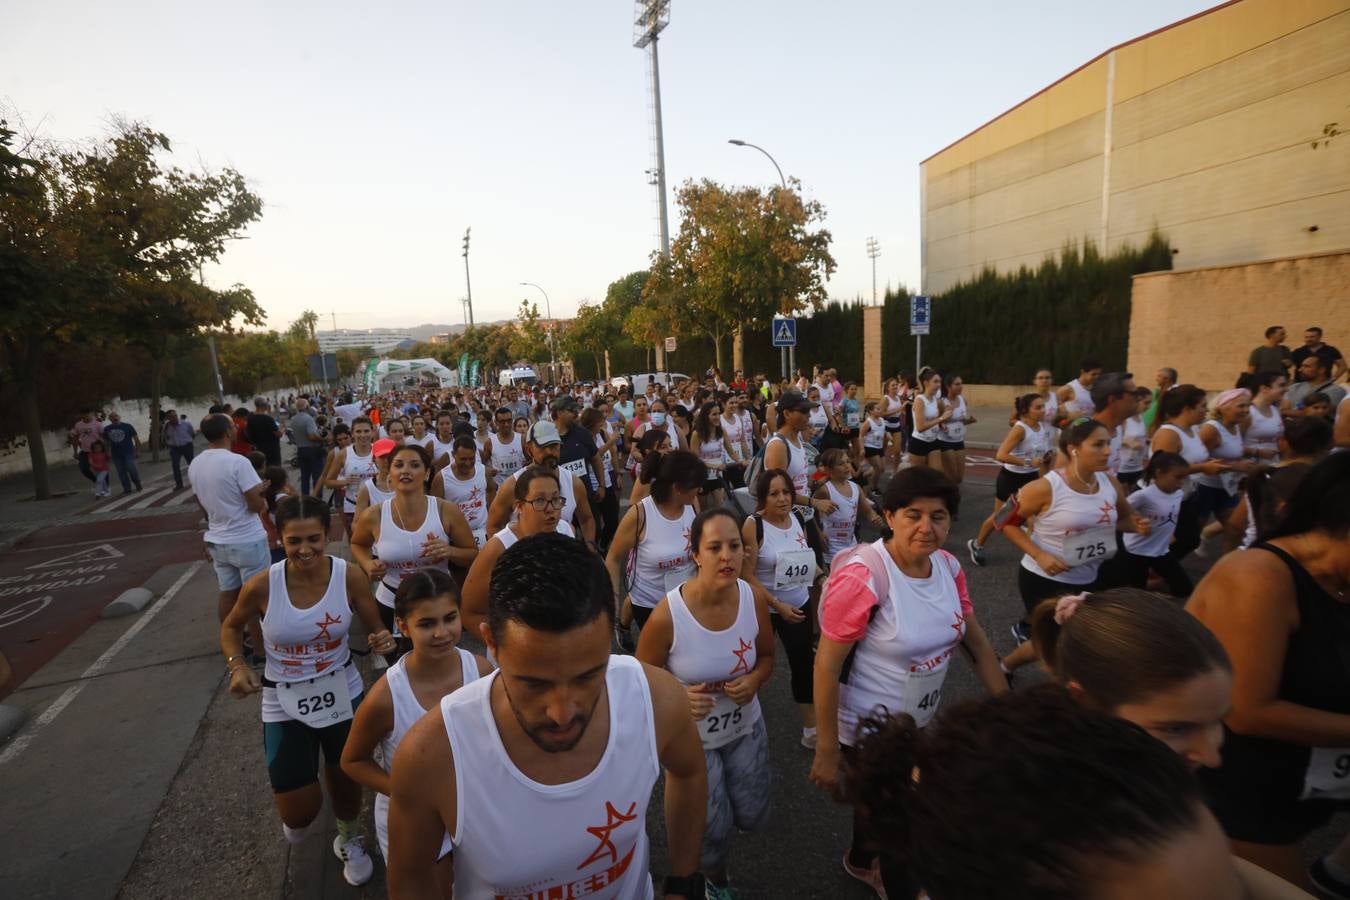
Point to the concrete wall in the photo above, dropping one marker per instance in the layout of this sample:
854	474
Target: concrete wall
1204	322
1201	130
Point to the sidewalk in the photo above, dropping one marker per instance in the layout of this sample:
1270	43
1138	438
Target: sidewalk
72	496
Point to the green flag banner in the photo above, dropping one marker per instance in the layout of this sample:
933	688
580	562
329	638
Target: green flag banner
473	373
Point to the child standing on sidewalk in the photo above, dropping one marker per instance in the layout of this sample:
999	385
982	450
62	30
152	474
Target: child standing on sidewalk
98	463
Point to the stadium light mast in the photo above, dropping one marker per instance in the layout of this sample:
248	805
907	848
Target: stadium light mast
873	251
468	291
652	17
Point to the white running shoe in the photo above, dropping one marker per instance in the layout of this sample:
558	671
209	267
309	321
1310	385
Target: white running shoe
357	866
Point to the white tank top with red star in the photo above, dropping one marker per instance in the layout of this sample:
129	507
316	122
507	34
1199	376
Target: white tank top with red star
900	663
470	495
301	644
1078	528
662	559
586	838
699	655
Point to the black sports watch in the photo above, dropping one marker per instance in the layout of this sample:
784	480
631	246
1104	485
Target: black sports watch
688	886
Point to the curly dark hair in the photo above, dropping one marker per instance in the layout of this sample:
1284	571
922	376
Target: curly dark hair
1018	797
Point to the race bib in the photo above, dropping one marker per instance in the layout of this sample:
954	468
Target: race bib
318	702
852	419
480	538
923	693
1328	775
673	578
725	723
1231	481
577	467
1092	546
794	568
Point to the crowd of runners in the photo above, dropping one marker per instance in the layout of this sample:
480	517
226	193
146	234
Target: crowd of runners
635	562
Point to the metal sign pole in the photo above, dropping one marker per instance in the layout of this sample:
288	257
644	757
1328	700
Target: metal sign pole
918	355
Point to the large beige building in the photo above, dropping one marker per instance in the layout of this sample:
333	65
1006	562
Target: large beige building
1202	130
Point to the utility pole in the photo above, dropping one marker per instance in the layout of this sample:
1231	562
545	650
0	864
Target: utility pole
873	251
652	18
468	291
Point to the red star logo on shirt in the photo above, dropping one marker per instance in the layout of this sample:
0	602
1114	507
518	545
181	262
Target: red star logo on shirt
801	540
688	544
1106	508
614	819
328	619
474	494
959	626
741	664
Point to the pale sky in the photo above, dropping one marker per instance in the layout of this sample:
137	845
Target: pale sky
376	135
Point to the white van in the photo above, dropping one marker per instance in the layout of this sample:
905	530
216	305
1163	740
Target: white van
518	376
637	384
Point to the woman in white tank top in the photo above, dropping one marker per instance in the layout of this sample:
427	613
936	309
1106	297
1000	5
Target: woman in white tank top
426	607
651	550
708	441
310	689
952	434
839	529
782	568
929	413
1220	494
538	503
1181	410
1078	511
410	531
351	466
714	636
1261	440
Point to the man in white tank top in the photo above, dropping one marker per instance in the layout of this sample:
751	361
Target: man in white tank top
1113	402
554	704
1076	397
543	444
504	452
465	484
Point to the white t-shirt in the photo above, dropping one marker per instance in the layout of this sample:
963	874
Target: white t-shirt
219	478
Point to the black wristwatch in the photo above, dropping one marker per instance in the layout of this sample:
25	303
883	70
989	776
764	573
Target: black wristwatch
687	886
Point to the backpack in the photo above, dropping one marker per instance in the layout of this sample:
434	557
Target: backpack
756	464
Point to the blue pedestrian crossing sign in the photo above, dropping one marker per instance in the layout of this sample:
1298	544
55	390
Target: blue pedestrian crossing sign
784	332
919	315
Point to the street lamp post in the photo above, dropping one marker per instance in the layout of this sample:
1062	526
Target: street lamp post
552	356
787	357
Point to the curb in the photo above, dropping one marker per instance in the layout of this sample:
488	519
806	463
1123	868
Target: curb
11	720
132	600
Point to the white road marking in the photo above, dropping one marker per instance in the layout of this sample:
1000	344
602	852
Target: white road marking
183	497
151	497
21	742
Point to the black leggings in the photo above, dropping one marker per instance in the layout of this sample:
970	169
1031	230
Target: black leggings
801	656
1128	570
863	850
608	510
1187	536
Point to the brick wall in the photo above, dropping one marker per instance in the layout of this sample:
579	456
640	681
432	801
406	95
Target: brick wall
1204	322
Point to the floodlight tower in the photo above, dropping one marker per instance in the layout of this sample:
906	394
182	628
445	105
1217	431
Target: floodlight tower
652	17
468	291
873	251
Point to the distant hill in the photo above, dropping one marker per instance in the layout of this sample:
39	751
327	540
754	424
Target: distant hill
424	332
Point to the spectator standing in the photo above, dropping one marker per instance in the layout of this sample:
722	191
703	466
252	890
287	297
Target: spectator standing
82	436
1313	346
1272	356
231	493
1166	379
123	442
178	436
1316	379
263	431
98	463
309	444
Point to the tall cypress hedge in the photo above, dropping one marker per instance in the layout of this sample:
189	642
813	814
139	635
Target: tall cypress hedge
1000	328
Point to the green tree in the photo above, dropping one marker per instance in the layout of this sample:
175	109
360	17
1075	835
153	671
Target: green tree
161	223
592	332
529	341
741	256
254	357
349	360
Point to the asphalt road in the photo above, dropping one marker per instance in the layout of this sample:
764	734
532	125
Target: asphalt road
149	781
